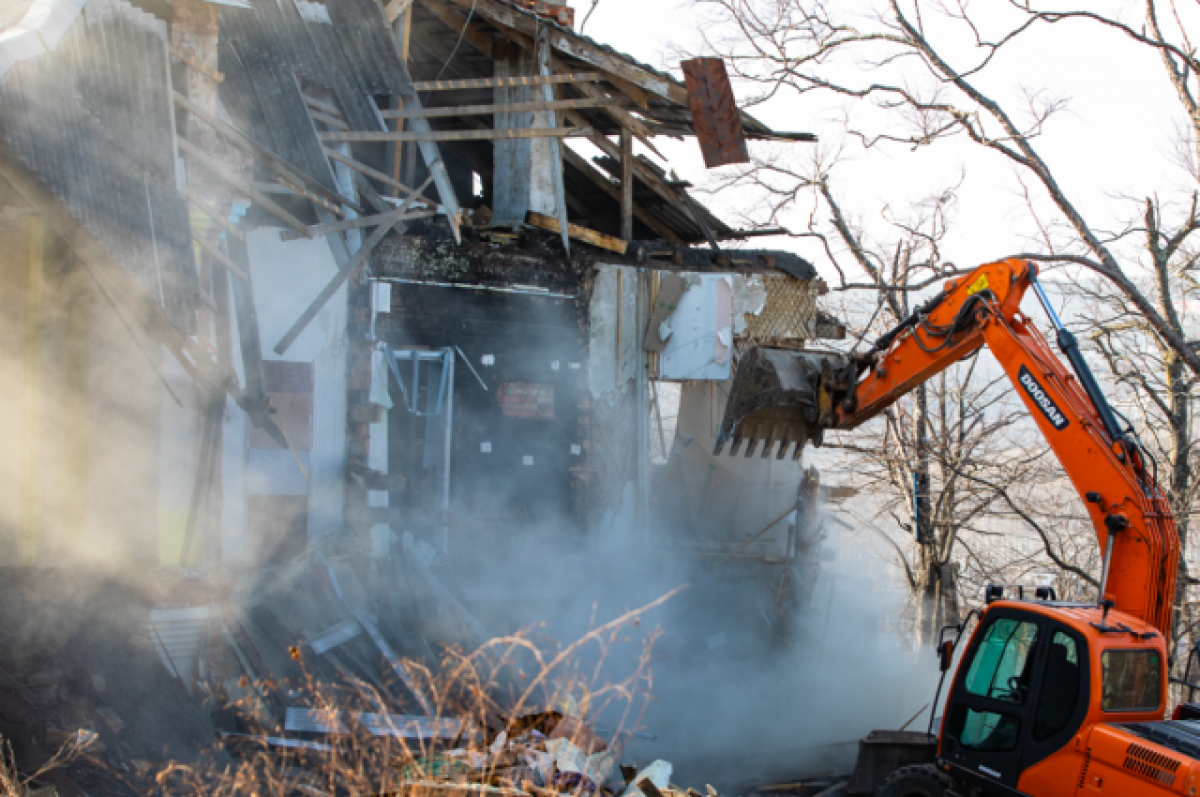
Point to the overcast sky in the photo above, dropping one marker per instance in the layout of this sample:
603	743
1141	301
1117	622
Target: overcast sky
1116	137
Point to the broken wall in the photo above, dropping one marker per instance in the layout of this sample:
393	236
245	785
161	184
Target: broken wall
273	507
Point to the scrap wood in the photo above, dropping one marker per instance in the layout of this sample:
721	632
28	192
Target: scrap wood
598	239
444	593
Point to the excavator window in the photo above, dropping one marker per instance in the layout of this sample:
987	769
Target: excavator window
1060	688
1132	679
1002	664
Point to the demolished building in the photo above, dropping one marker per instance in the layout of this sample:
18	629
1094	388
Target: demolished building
288	278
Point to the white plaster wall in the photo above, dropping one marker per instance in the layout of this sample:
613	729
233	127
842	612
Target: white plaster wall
287	276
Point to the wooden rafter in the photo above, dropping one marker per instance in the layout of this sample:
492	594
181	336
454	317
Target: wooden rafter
222	172
511	107
488	134
578	48
506	82
581	164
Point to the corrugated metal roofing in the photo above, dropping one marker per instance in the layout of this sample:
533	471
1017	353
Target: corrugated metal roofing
93	119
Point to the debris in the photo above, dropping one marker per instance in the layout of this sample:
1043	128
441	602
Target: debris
332	637
657	774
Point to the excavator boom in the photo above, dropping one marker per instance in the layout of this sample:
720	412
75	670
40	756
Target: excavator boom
777	398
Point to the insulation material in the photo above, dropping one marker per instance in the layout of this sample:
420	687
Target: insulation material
787	312
701	339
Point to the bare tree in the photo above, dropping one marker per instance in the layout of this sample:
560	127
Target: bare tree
930	461
890	59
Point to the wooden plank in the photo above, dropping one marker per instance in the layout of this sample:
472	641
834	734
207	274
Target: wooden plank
218	169
641	214
487	134
579	48
220	220
642	172
345	272
332	121
322	106
542	221
186	58
626	183
512	107
330	200
353	224
395	8
431	154
363	168
219	256
506	82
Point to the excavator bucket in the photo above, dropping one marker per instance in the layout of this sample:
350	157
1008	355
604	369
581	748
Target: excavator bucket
782	396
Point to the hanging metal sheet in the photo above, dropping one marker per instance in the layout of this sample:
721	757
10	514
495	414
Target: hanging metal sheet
715	112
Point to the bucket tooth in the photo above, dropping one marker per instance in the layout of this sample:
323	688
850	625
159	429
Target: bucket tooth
770	441
784	443
799	450
737	443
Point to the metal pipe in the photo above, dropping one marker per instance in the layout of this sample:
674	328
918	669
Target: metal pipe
1070	348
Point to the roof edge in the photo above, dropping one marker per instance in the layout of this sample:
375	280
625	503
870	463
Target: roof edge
38	32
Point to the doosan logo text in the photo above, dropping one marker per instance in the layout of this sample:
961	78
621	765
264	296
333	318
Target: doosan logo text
1042	400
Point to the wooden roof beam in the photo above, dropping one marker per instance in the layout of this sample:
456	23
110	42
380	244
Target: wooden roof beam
577	48
581	164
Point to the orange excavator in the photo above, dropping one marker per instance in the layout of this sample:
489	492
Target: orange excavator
1050	698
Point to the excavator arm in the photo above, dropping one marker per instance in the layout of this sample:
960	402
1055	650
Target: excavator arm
1134	524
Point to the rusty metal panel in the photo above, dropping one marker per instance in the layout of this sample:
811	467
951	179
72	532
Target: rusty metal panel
715	112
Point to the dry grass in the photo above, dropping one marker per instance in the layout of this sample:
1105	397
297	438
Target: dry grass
494	691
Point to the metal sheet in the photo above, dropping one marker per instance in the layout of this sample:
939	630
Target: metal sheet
715	113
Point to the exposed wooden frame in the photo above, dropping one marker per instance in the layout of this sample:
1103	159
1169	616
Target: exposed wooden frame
644	174
512	107
229	178
395	8
345	272
578	48
187	59
641	214
217	218
355	224
430	153
375	174
299	181
626	184
455	135
507	82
